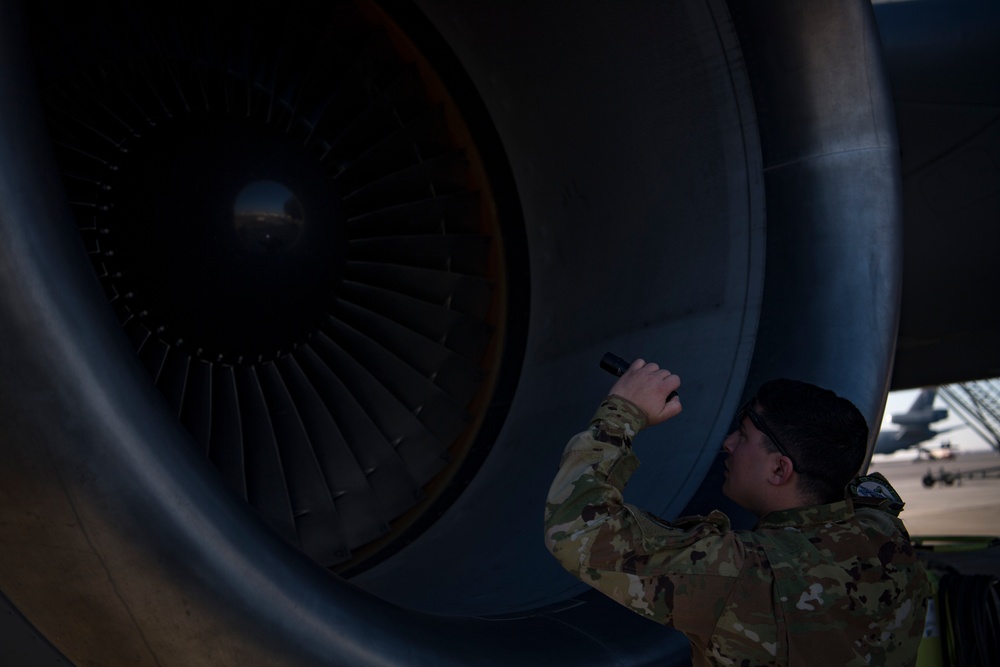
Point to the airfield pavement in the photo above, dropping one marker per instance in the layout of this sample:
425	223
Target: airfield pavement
966	507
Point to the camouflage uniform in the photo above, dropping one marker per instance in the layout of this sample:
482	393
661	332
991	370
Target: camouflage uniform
834	584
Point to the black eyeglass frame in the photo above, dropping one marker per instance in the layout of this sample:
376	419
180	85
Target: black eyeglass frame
761	426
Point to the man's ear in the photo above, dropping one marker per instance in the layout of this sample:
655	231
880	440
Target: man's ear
781	471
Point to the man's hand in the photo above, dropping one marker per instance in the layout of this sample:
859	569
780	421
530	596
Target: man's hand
648	386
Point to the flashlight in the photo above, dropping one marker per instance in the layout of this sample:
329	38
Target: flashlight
615	365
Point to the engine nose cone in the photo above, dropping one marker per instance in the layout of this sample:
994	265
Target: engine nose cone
241	255
268	218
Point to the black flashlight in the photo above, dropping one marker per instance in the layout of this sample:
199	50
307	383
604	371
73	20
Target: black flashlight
615	365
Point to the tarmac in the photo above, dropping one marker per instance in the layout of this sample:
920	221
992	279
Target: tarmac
964	507
968	507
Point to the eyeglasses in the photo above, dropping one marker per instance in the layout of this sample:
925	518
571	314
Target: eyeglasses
758	422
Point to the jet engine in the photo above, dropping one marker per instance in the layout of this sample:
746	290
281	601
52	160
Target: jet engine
302	300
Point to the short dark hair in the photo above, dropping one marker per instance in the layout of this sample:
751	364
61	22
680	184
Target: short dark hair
823	432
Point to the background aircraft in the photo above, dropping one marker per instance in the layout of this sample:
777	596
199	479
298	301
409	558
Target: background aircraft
914	424
299	301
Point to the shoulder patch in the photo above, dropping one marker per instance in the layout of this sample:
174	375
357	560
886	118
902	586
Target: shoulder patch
875	488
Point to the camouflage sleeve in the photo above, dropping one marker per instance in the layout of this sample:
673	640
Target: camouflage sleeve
636	559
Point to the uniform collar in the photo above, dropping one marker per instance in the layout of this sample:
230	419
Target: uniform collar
868	491
805	516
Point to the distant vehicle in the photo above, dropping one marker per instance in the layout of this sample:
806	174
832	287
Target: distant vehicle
944	452
914	424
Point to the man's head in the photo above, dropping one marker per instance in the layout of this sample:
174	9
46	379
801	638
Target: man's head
794	426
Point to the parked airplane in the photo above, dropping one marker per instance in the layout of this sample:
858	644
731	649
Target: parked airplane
915	424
